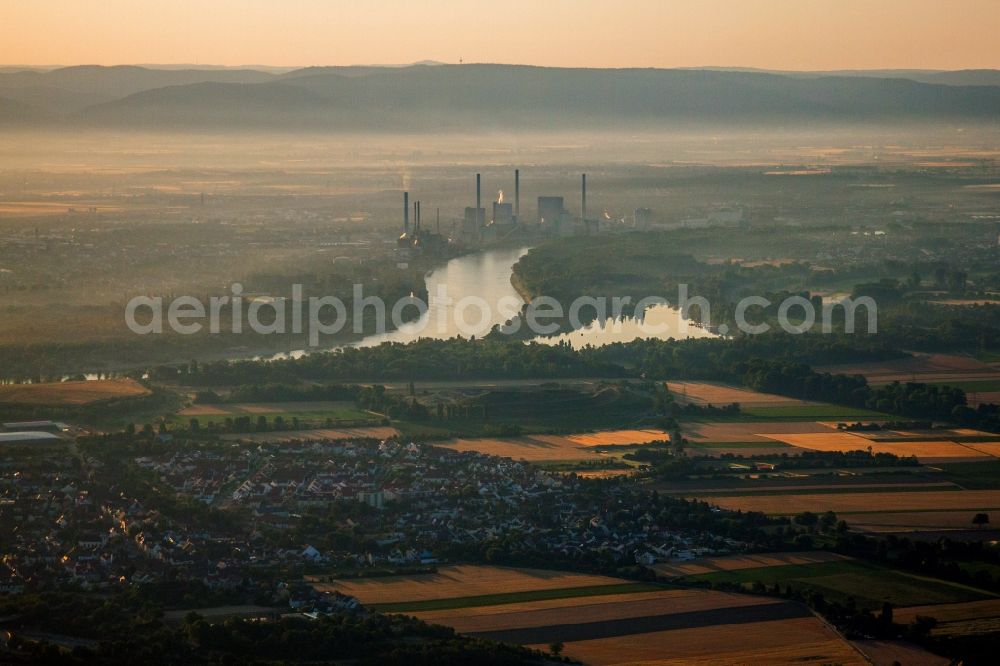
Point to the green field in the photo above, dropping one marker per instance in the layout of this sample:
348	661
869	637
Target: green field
974	385
514	597
870	585
305	416
973	475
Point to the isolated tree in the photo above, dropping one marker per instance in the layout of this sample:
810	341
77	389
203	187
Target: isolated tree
981	519
556	648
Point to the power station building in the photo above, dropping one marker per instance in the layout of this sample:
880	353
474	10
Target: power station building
502	222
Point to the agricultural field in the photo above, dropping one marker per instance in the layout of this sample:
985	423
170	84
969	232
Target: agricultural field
272	408
541	448
972	500
318	412
812	411
917	521
868	584
718	394
746	431
971	617
704	565
602	620
925	450
929	368
719	449
460	582
71	394
365	432
691	626
889	653
976	398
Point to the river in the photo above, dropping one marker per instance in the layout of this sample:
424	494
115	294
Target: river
464	298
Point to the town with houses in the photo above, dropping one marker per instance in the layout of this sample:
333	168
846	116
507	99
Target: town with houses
246	518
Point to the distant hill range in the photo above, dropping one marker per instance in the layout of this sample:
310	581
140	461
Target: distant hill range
438	97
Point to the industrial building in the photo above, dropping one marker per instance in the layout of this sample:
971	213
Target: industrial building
419	241
503	222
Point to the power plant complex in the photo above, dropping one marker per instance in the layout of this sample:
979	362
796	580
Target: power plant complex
504	223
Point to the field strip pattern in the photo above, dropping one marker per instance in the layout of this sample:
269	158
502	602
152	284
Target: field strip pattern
588	609
628	626
461	581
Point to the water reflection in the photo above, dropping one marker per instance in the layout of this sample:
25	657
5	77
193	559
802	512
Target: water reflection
658	321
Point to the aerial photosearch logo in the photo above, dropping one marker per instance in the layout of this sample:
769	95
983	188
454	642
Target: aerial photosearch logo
319	316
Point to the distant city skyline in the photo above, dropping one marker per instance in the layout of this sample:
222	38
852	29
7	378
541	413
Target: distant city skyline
766	34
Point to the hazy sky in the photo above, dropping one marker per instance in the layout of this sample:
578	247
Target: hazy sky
778	34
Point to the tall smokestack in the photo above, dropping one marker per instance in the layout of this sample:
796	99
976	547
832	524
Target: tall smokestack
583	213
406	212
416	220
517	194
418	216
479	197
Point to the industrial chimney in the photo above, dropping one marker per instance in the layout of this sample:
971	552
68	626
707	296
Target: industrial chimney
517	195
406	212
583	213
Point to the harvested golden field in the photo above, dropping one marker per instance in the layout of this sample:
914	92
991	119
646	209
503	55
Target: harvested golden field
968	500
367	432
554	447
71	394
805	640
989	448
747	431
459	581
919	521
925	451
718	394
736	562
